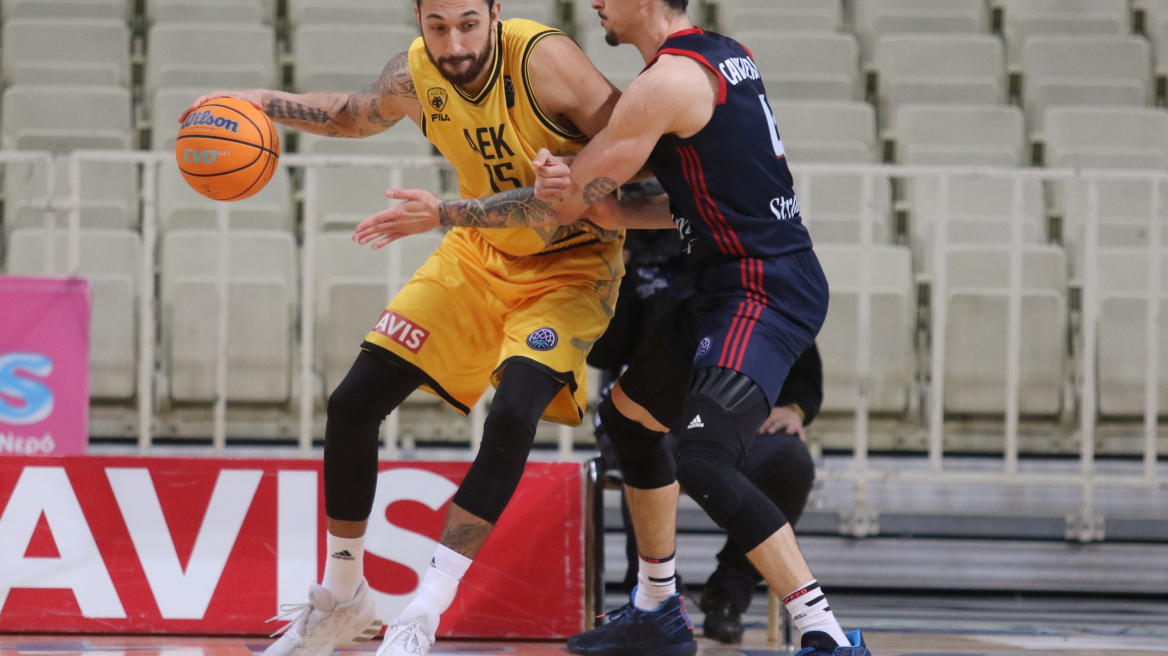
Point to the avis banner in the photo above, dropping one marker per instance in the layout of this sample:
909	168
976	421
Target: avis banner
44	365
210	546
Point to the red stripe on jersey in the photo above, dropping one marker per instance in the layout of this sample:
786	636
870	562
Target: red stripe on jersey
746	338
706	194
698	58
730	333
691	180
747	320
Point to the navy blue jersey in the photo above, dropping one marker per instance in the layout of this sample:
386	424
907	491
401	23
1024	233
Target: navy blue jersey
729	186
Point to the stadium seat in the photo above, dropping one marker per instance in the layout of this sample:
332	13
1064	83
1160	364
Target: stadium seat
833	132
346	196
807	65
540	11
620	64
939	68
352	287
1070	70
980	210
262	293
738	16
241	12
183	208
119	9
893	363
350	12
1026	18
211	56
875	18
1122	355
111	260
346	58
65	51
975	347
109	195
1103	138
1156	27
64	118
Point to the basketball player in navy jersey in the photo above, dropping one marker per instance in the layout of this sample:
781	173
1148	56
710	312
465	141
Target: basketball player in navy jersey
698	115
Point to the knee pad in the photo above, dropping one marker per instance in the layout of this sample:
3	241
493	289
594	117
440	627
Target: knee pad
507	437
722	414
644	460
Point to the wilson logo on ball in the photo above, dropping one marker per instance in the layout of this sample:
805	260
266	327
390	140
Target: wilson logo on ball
207	118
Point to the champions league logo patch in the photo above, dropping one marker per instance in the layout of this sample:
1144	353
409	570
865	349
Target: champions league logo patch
544	339
703	348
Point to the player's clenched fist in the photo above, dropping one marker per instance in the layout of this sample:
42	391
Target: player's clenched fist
553	178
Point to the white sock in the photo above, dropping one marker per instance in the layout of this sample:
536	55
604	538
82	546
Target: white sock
810	612
344	566
656	582
437	590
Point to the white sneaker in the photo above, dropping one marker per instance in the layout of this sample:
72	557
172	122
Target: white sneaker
405	640
322	625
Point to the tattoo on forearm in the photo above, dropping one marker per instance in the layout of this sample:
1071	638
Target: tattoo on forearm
599	188
465	537
517	208
396	77
294	111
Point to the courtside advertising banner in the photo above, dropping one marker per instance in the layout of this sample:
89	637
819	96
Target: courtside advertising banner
213	546
44	365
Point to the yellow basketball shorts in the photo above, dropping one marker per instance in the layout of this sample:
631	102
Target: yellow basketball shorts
470	310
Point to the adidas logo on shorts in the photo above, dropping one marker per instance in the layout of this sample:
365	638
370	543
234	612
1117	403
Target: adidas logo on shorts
344	555
696	423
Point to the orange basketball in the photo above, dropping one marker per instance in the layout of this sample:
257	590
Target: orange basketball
227	149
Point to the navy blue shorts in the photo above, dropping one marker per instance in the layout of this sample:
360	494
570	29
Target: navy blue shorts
754	316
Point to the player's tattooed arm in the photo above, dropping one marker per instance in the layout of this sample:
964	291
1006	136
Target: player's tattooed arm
517	208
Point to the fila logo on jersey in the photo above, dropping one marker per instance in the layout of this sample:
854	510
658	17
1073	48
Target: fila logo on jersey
737	69
402	331
544	339
696	423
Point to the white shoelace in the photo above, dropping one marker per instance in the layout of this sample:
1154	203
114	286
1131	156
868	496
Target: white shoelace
302	612
410	634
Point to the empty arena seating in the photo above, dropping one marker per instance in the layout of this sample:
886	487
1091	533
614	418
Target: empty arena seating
1123	330
875	18
1103	138
210	11
1072	70
111	260
975	344
346	58
120	9
46	51
780	15
807	65
892	367
1025	18
182	208
352	289
980	211
939	68
346	196
210	56
351	12
834	132
262	298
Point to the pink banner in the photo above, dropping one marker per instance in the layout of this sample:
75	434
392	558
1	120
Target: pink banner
44	365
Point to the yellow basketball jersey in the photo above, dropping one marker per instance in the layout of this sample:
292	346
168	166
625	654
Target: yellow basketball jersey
491	137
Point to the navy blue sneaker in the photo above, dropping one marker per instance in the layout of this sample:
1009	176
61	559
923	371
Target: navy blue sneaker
817	643
630	631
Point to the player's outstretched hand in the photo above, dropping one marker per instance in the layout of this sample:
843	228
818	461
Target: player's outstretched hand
252	96
553	178
418	213
784	419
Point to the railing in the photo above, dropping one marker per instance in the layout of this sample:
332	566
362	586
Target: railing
861	473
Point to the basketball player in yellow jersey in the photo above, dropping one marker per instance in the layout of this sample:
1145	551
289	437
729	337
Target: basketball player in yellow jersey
518	307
